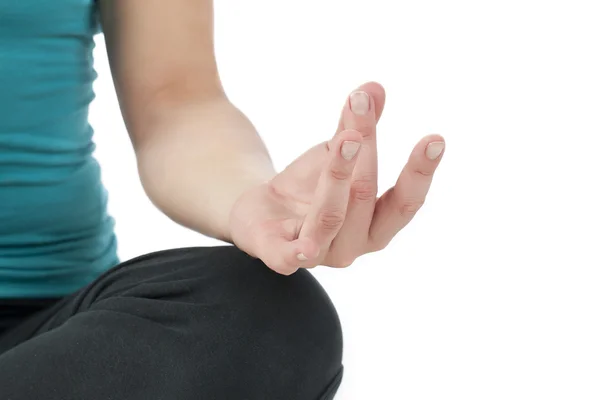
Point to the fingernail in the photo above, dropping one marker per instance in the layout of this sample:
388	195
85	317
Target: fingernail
301	257
359	103
349	149
434	149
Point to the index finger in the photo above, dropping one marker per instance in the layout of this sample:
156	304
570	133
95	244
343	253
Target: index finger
330	201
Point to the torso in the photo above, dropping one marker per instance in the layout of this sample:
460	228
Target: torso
55	233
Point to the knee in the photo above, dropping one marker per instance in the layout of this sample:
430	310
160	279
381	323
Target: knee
291	329
263	334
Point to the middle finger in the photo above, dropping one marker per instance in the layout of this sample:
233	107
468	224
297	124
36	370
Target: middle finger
360	115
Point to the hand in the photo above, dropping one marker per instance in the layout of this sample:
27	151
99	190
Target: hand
323	208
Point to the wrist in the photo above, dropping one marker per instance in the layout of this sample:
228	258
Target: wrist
199	189
196	162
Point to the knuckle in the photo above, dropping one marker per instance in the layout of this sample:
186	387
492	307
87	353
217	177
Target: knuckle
339	174
367	129
364	189
368	132
331	220
410	206
427	173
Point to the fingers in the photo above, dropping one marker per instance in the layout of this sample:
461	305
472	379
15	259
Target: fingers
376	92
328	209
361	115
398	205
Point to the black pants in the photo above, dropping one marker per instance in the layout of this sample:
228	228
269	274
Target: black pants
198	323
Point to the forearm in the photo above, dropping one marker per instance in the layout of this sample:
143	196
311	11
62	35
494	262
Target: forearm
196	159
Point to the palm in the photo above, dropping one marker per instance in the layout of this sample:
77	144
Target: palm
298	182
279	208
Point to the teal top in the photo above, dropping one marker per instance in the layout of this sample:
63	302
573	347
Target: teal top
55	233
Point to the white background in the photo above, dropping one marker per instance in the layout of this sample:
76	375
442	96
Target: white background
493	292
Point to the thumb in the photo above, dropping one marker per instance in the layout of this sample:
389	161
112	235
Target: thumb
285	257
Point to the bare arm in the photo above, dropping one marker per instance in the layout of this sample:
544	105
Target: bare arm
196	152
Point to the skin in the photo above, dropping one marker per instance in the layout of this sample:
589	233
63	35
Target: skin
203	164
